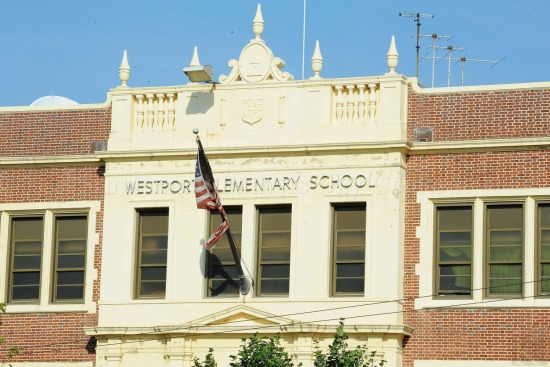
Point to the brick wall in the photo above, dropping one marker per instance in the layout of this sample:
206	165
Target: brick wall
481	115
52	337
52	133
474	334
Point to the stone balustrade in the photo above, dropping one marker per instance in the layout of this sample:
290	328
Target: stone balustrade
154	111
356	103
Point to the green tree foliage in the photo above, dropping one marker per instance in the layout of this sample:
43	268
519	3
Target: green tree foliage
339	355
209	360
10	351
261	352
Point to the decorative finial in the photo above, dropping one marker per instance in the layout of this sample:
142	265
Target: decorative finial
124	70
392	57
316	62
195	131
258	23
195	59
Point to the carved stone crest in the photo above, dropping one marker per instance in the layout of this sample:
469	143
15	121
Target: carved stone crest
253	110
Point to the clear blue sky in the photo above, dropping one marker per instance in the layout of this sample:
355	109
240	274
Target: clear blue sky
73	48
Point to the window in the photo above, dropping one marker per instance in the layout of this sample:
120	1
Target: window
152	253
223	277
27	235
504	238
28	246
70	257
348	244
544	248
274	233
454	250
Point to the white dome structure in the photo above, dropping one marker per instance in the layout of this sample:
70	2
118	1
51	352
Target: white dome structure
53	101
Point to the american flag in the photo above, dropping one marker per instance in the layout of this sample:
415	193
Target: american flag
207	195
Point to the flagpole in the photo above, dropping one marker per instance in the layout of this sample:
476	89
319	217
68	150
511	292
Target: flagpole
245	284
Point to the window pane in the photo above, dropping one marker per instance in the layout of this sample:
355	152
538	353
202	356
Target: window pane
158	273
153	251
352	217
25	293
455	218
26	262
350	285
455	238
26	245
505	216
544	247
69	292
350	253
275	271
274	250
71	233
545	278
26	278
455	253
70	277
350	270
455	279
71	261
223	277
454	250
348	259
505	248
275	286
505	279
153	257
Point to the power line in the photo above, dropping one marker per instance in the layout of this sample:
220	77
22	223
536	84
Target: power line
159	331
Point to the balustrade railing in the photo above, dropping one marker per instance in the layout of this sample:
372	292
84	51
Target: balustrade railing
356	102
154	111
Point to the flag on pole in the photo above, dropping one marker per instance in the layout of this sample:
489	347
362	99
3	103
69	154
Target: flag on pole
207	195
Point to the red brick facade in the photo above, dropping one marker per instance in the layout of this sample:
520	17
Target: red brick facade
52	336
510	334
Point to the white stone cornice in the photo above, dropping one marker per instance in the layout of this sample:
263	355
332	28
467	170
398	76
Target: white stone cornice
308	328
220	152
50	161
417	88
480	145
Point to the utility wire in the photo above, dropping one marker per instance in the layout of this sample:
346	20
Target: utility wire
159	332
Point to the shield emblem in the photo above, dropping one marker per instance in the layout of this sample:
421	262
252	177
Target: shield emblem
253	110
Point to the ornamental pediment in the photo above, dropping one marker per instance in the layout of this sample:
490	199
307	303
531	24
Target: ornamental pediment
256	62
242	316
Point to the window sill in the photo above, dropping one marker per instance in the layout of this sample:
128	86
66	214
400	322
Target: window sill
527	302
13	308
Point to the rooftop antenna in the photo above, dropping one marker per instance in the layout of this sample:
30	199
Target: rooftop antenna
450	49
304	40
435	37
416	18
464	59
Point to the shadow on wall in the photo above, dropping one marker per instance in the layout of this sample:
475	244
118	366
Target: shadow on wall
200	102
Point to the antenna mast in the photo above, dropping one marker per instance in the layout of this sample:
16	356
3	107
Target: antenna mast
416	18
464	59
434	38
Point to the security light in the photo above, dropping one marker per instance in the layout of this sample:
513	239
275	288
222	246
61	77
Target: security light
200	73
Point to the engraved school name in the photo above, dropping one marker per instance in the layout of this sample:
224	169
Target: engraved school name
252	184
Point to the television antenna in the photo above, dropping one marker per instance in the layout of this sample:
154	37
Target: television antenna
435	37
450	49
416	18
464	59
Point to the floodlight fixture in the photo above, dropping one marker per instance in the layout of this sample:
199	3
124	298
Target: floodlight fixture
199	73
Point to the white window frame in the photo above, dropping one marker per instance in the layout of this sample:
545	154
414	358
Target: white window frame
49	211
479	199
